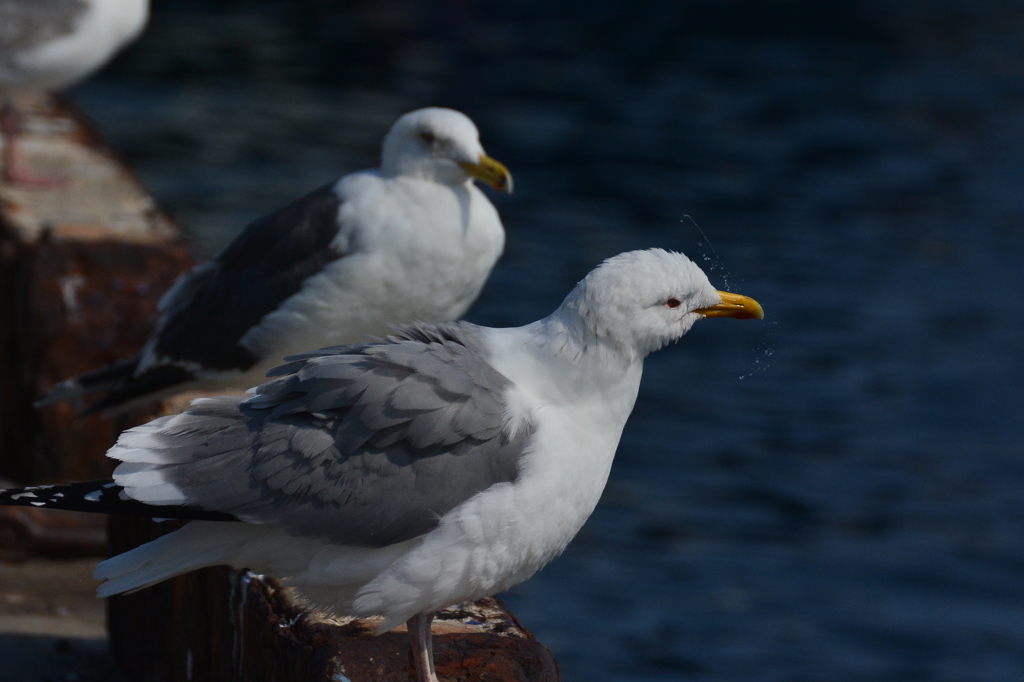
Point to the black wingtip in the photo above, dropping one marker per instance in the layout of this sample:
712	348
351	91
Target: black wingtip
94	381
101	497
151	385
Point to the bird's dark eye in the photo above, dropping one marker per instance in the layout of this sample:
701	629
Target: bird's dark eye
673	303
428	137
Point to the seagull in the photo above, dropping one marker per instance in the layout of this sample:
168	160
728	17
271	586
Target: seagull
440	465
412	241
47	45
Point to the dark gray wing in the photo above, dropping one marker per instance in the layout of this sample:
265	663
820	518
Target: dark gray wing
211	308
364	445
25	24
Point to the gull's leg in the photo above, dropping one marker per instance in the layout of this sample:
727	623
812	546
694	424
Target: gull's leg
422	646
15	170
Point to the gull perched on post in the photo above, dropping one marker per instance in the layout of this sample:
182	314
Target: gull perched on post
47	45
412	241
440	465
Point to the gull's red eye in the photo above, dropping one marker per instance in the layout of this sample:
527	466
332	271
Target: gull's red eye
673	303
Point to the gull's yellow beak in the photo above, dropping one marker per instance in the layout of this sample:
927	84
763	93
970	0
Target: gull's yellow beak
490	171
734	305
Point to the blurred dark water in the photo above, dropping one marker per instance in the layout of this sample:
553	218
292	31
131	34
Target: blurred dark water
833	494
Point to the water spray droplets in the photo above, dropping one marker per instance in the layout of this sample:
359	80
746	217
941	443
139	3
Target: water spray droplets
714	261
763	353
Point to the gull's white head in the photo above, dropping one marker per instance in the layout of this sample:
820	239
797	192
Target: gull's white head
641	300
442	145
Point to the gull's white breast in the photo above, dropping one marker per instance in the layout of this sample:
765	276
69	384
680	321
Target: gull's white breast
505	534
417	251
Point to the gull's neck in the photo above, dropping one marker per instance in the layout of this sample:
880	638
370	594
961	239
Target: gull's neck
558	362
426	169
567	338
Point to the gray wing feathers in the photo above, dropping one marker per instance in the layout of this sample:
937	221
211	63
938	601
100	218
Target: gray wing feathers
361	445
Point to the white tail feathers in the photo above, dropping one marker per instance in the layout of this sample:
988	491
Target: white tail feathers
197	545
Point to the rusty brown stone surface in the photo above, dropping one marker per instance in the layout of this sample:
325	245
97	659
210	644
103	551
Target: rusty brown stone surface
98	197
477	641
82	267
217	624
82	305
27	532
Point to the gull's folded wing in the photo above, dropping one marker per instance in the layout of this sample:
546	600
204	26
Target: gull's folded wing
264	266
364	445
209	309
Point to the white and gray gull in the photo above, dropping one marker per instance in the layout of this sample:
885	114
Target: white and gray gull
47	45
412	241
442	464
